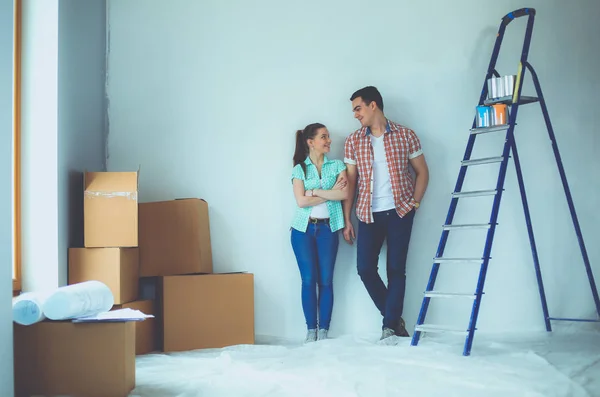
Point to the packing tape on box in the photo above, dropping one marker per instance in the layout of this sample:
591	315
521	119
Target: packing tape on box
128	195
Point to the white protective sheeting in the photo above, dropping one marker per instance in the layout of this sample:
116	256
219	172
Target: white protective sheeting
88	298
533	365
79	300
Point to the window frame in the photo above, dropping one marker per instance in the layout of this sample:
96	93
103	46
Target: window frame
16	158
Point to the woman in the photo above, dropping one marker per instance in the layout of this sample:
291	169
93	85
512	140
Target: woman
319	186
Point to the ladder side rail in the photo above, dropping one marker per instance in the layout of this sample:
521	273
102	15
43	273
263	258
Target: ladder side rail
534	252
488	244
566	188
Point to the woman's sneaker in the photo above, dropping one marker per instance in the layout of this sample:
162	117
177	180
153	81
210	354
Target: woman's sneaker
311	336
322	334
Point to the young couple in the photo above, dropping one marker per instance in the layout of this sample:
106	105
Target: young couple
376	166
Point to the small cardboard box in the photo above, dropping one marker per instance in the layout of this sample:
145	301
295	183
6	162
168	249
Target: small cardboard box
145	331
206	311
110	209
54	358
174	238
118	268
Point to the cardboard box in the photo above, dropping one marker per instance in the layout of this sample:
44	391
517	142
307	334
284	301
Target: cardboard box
118	268
174	238
146	340
206	311
54	358
110	209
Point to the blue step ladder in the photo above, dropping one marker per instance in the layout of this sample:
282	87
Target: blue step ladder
513	102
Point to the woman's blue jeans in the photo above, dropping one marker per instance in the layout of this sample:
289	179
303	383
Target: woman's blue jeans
316	251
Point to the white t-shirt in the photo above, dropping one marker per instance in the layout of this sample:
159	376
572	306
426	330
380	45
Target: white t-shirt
383	198
320	210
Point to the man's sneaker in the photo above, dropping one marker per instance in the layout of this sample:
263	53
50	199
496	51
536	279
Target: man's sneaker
386	333
401	328
311	336
322	334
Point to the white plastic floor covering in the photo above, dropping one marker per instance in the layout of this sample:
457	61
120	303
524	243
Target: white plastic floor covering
533	364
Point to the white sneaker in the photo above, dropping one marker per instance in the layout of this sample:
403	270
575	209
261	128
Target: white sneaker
322	334
386	333
311	336
388	337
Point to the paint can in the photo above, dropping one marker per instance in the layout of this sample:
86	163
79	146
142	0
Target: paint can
500	85
509	85
499	114
492	88
483	116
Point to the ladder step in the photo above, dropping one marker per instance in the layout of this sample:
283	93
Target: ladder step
508	100
457	260
487	160
467	226
439	328
475	193
484	130
573	319
439	294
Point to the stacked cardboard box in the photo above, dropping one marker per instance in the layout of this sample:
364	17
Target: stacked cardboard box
196	307
110	253
61	358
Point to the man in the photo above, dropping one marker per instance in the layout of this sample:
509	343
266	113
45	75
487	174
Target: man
378	156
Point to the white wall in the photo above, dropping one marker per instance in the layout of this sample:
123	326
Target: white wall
206	97
63	128
6	68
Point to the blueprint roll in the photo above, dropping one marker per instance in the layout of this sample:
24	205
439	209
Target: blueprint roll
27	308
78	300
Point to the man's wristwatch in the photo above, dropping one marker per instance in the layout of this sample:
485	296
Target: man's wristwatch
416	205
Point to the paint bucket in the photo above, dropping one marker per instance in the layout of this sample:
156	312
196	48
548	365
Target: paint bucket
499	114
509	85
499	87
483	116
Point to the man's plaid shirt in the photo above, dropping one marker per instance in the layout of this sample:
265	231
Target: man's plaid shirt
401	144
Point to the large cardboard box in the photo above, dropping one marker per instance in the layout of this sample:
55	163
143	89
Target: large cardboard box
110	209
118	268
174	238
206	311
54	358
146	340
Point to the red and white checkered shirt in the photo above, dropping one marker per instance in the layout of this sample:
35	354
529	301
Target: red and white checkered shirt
401	144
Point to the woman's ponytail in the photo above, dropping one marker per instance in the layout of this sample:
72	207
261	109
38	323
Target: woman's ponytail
301	150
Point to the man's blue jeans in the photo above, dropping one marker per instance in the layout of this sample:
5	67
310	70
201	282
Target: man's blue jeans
316	251
387	226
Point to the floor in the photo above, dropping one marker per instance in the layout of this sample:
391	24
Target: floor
534	364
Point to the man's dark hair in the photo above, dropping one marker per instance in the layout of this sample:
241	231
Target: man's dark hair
368	95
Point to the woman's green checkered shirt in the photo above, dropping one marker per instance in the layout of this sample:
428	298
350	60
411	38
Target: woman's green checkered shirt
329	172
